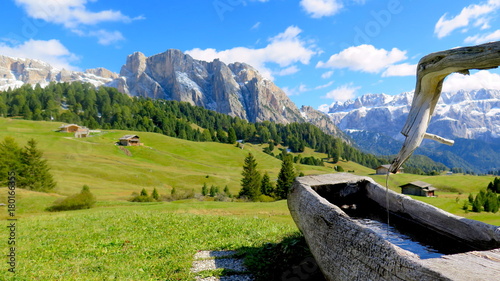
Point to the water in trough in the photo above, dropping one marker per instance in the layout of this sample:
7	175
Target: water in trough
402	231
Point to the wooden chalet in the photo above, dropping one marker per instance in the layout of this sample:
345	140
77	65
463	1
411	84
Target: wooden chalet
69	128
79	131
384	169
418	188
129	140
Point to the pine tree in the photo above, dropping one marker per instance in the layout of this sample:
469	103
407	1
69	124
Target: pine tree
155	194
476	205
231	138
286	177
204	189
267	187
10	153
250	183
213	191
35	173
144	192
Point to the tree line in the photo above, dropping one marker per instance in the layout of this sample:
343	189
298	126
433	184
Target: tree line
486	200
106	108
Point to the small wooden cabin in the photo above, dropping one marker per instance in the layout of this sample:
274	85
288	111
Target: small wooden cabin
129	140
70	128
418	188
384	169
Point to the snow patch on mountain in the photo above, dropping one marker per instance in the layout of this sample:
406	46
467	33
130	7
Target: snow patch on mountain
462	114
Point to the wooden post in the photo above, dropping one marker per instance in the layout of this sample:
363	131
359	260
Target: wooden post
431	72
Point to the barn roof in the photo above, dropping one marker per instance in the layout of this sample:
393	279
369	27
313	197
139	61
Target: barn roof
68	125
387	166
421	185
128	137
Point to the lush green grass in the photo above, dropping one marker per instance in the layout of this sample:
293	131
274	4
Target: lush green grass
130	242
150	241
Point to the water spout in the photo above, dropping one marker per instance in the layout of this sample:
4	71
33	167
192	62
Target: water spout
431	72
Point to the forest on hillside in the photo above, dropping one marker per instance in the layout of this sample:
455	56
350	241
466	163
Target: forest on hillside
106	108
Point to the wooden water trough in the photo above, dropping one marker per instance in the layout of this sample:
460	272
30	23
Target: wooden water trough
345	249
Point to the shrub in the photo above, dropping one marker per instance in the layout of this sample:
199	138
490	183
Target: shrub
83	200
142	197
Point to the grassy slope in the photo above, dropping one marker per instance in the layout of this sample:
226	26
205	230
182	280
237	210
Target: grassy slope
163	162
162	237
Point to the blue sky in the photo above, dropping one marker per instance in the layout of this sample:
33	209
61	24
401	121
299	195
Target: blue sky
318	51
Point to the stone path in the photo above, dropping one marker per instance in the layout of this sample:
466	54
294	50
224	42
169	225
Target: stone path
215	261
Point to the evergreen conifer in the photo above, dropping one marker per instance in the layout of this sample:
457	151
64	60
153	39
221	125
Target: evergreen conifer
286	176
251	181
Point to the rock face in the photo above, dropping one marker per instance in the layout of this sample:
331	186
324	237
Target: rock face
322	121
347	250
236	89
15	72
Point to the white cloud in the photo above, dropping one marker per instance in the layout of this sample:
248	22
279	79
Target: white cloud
321	8
343	93
365	58
475	15
104	37
403	69
323	86
481	79
73	14
274	52
295	91
289	70
479	39
51	51
325	108
70	13
327	74
256	25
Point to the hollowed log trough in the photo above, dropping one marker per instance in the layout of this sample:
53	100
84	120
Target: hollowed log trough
346	250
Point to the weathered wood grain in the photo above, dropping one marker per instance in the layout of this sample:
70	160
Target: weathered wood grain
431	72
347	250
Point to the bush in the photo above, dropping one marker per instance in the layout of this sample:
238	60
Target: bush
142	197
83	200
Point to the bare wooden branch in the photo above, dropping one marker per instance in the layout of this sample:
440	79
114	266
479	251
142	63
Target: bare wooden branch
431	72
438	139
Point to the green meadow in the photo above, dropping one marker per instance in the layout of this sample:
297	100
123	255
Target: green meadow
121	240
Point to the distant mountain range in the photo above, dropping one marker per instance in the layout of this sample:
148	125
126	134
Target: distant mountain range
236	89
373	121
472	118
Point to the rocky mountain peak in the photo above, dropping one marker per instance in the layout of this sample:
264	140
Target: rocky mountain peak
15	72
136	63
236	89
